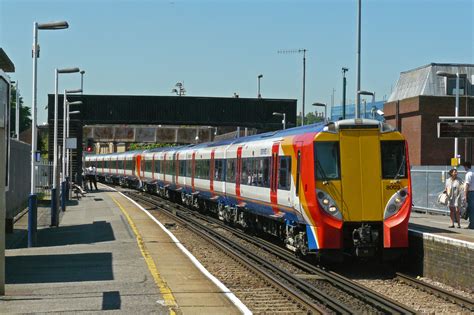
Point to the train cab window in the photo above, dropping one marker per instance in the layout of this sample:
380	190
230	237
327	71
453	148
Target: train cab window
326	157
231	170
393	159
219	170
284	173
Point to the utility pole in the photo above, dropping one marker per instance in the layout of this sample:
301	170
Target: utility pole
357	106
344	83
299	51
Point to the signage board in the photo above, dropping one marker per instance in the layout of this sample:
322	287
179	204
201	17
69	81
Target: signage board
71	143
456	129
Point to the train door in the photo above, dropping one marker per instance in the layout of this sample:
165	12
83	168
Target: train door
297	176
361	174
274	174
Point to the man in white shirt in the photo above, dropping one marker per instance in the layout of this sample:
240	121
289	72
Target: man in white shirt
469	193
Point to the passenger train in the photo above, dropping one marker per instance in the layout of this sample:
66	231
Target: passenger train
338	189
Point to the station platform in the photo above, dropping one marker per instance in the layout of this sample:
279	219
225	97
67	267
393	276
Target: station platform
106	255
442	253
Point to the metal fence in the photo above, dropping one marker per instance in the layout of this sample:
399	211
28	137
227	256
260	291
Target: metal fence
44	178
428	182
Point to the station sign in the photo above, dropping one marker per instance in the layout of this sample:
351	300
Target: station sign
456	129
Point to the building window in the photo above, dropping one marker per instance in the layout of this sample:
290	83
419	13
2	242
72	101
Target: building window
451	86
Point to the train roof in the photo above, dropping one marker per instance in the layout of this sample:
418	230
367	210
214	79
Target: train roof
317	127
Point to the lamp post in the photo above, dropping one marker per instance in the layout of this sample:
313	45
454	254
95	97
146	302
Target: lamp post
259	77
325	110
17	110
284	118
54	190
32	199
357	106
82	80
359	93
69	151
344	84
456	109
299	51
63	177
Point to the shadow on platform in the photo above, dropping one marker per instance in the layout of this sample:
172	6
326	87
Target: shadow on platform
99	231
430	229
59	268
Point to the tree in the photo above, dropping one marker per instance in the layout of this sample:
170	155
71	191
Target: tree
25	113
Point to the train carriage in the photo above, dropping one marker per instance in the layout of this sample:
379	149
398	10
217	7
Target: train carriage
334	189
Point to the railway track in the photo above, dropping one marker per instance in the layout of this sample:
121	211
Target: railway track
304	286
444	294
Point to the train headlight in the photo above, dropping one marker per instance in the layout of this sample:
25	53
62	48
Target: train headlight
328	204
395	202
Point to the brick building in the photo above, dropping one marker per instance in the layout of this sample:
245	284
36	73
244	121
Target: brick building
419	98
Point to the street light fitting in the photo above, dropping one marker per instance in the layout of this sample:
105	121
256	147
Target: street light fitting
74	112
53	25
74	91
82	72
365	93
319	104
74	103
69	70
260	76
277	114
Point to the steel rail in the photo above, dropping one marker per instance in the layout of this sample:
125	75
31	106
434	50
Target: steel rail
444	294
371	297
203	232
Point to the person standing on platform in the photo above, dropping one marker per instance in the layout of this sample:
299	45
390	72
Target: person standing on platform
94	177
469	193
453	190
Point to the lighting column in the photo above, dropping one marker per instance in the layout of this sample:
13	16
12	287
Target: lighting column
32	199
54	190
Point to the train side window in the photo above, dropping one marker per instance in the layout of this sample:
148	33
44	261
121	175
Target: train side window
326	158
182	167
120	165
189	168
393	159
157	165
284	173
148	166
262	172
170	167
231	170
219	170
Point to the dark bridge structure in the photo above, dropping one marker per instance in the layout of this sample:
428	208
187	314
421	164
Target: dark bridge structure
167	110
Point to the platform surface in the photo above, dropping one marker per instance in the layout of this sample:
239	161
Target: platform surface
92	262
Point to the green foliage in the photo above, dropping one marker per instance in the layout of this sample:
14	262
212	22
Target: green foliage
149	146
25	113
310	118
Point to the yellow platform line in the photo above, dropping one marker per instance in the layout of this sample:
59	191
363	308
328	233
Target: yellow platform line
161	284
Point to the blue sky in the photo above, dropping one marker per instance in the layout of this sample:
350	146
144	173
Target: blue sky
220	47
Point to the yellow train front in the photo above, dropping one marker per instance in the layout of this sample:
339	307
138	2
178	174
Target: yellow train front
358	197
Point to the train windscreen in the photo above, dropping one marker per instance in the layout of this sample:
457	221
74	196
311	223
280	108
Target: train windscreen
326	157
393	159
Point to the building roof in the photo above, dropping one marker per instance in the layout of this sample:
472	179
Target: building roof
5	63
424	81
